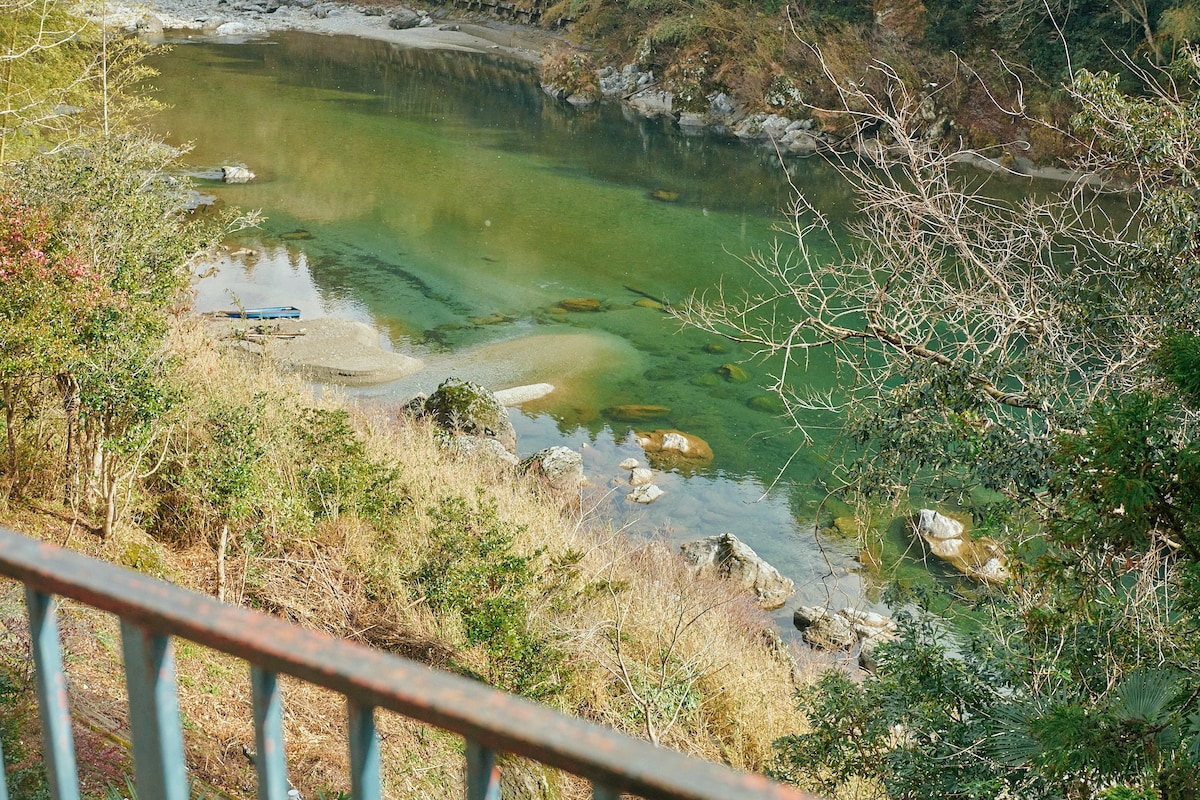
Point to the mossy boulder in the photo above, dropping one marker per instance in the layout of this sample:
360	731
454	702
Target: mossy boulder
463	408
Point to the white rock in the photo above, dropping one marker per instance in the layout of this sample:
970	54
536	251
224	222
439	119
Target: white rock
641	476
645	495
629	463
241	28
933	525
234	174
523	394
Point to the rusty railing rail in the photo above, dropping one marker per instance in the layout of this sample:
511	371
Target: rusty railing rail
152	612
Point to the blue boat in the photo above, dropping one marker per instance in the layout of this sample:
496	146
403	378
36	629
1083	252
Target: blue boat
274	312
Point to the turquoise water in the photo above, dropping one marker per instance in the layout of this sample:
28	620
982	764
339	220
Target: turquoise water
443	198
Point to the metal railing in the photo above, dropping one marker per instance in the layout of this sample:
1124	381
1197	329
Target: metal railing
151	612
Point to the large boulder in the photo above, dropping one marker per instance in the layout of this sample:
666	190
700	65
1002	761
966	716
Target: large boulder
463	408
728	557
561	467
947	538
403	19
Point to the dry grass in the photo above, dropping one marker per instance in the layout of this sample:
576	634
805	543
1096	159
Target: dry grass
644	646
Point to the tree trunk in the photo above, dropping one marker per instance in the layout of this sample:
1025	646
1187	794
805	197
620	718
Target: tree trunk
10	429
68	389
109	486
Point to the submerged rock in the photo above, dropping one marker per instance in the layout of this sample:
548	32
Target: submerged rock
580	304
733	373
636	412
730	558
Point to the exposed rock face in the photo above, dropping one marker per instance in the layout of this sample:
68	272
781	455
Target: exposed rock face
652	102
562	467
845	629
464	408
675	445
947	539
732	559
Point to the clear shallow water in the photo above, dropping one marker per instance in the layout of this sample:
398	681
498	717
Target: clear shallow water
445	199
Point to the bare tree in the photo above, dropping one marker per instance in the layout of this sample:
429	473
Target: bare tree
961	321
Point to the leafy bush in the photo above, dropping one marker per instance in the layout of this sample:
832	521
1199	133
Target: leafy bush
336	474
470	570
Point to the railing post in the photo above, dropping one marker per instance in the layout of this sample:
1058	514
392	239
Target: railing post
483	779
364	753
3	782
269	760
158	757
53	708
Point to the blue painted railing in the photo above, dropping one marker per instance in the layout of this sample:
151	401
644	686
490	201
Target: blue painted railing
152	612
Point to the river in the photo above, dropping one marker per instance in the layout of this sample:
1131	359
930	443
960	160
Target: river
443	198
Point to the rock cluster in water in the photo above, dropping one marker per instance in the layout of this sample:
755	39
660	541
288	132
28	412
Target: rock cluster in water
948	539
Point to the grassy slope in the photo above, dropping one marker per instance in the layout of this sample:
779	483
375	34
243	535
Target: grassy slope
687	645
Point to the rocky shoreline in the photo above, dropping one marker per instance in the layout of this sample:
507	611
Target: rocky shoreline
636	89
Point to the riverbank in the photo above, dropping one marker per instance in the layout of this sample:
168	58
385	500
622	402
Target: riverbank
239	21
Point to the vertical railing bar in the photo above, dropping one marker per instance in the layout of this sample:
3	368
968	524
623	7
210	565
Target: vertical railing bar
53	708
483	778
158	757
269	760
604	793
3	782
364	753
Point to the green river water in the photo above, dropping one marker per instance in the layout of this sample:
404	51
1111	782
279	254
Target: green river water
452	204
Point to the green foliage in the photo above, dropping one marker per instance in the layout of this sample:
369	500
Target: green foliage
471	569
25	773
337	476
1178	360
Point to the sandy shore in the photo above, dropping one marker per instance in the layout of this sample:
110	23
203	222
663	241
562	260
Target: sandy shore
327	349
